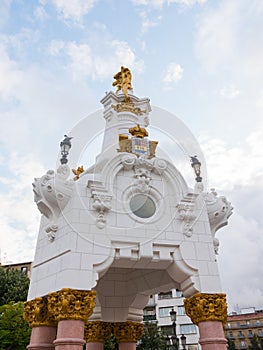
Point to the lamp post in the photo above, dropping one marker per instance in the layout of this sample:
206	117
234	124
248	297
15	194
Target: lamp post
183	341
175	339
65	146
196	165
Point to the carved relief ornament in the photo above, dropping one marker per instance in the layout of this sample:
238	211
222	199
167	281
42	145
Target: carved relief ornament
206	307
36	313
97	331
128	332
185	210
71	304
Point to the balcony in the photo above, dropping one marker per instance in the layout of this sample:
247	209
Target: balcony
147	318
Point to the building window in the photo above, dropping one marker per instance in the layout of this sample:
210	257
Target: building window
192	347
258	322
187	328
167	295
248	323
24	269
260	333
165	311
231	334
250	333
240	334
229	325
243	345
178	293
181	310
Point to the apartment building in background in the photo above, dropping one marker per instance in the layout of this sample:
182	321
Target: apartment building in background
158	310
242	326
25	267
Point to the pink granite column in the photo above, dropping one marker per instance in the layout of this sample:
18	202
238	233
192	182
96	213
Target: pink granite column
127	346
95	346
212	335
42	323
70	335
42	338
209	312
71	308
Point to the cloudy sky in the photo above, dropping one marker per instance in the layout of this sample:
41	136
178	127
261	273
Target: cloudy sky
198	59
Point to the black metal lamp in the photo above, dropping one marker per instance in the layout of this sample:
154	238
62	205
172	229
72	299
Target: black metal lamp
196	165
65	146
167	342
183	341
175	340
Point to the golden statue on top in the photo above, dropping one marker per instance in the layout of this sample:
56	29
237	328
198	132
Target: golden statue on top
123	81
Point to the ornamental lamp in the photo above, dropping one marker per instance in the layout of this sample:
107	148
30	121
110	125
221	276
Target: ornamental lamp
175	342
196	165
65	146
183	341
173	315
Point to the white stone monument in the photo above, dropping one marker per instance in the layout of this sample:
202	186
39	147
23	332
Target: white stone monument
126	228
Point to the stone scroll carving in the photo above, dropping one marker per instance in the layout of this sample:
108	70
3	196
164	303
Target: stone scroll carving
219	209
52	193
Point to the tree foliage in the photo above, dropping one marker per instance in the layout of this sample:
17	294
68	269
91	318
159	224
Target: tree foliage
14	330
111	343
230	344
13	286
256	343
152	339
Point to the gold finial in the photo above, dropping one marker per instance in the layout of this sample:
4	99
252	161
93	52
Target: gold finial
123	81
137	131
77	172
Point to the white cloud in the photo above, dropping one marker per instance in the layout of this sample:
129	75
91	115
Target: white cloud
83	61
173	73
158	4
18	226
230	166
74	10
147	23
188	3
10	74
229	92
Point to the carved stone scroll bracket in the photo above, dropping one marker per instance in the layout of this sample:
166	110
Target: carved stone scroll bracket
97	331
185	213
206	307
36	313
71	304
219	210
52	193
128	332
142	174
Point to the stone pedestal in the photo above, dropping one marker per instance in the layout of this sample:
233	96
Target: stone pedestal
209	312
42	338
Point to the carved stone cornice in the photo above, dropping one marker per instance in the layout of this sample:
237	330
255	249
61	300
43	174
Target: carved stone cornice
97	331
71	304
128	332
206	307
36	313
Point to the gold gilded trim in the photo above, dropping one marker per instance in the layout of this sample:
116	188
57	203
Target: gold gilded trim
128	332
123	81
206	307
97	331
36	313
71	304
127	107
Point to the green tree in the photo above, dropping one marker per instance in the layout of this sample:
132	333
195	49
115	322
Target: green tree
152	339
255	343
231	344
13	286
14	330
111	343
